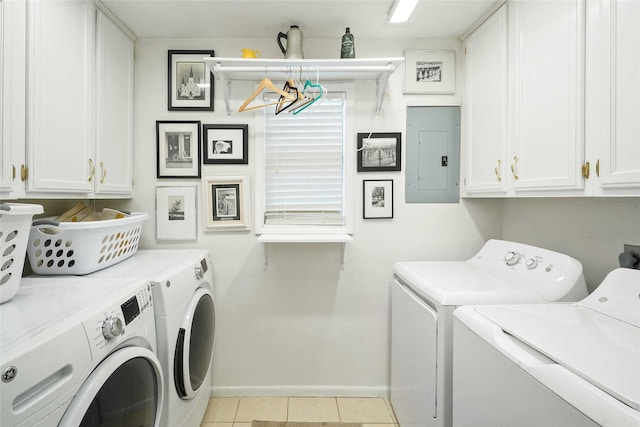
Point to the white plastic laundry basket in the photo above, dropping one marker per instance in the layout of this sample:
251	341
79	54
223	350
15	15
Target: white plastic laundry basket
15	221
82	247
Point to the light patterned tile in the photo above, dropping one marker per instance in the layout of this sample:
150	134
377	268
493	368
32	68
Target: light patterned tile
262	408
391	411
205	424
363	410
221	409
241	424
379	425
313	409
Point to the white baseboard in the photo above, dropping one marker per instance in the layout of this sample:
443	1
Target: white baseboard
298	391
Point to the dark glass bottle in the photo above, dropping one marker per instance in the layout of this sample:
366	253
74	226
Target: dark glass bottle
348	45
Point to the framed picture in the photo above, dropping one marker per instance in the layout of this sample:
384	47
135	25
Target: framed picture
225	144
226	201
429	71
176	214
377	198
379	152
190	81
178	149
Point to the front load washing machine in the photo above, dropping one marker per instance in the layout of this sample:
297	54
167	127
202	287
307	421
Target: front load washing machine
80	352
423	298
182	285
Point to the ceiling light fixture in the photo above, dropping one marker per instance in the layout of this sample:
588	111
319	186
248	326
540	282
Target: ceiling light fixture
401	10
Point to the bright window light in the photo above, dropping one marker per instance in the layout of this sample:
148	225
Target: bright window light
401	10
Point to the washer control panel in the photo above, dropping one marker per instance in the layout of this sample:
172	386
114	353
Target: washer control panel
513	259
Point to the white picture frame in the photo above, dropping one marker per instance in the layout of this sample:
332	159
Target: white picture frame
429	71
226	201
176	213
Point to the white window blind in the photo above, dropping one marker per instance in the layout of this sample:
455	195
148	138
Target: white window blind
304	164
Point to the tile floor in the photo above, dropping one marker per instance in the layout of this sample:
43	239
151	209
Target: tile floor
240	411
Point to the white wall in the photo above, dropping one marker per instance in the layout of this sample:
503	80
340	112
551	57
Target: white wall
305	324
592	230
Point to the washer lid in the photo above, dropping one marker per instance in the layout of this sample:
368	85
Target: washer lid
601	349
462	283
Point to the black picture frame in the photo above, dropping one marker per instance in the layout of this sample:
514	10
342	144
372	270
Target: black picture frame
190	83
178	149
225	144
379	152
377	198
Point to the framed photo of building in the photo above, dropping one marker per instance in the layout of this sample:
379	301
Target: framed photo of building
379	152
190	82
225	144
178	149
226	200
176	213
377	198
429	71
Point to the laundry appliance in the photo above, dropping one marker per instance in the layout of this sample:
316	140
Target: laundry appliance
182	287
563	365
424	296
80	352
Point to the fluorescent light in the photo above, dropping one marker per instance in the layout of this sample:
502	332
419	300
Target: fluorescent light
401	10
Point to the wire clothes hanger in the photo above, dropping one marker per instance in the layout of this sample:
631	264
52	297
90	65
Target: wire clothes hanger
311	100
266	83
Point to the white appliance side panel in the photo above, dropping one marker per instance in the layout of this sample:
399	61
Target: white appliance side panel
491	391
413	358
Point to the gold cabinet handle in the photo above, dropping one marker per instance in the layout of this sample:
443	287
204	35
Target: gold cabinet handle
92	170
586	168
497	170
23	173
598	168
104	172
513	167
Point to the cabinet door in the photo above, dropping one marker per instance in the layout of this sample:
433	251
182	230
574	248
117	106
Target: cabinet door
114	127
485	106
546	47
59	115
12	94
620	154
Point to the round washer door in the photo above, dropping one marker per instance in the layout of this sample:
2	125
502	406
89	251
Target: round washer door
125	390
194	346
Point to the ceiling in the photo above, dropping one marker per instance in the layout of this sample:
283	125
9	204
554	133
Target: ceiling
316	18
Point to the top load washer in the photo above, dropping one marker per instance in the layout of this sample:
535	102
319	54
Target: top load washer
80	352
551	364
182	285
424	296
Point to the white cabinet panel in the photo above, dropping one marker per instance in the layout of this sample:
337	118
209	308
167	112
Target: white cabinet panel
59	114
485	106
546	49
114	126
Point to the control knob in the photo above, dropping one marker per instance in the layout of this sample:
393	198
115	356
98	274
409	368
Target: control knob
112	327
512	258
531	263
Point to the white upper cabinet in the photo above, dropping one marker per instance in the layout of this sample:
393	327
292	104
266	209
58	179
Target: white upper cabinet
546	122
485	106
59	89
618	139
114	100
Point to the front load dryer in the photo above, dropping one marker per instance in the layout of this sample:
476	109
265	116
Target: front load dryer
182	285
423	298
80	352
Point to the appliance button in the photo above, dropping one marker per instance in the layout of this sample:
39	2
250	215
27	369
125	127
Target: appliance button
531	263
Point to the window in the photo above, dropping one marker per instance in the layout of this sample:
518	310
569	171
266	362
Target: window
304	170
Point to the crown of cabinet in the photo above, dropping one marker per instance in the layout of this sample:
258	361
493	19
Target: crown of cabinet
379	70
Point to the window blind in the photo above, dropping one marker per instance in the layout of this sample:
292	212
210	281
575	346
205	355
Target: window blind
304	165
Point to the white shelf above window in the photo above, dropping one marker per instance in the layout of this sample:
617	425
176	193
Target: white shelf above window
379	70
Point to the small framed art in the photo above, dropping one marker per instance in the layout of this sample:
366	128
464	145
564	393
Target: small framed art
225	144
377	198
190	81
429	71
178	149
226	200
176	213
379	152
